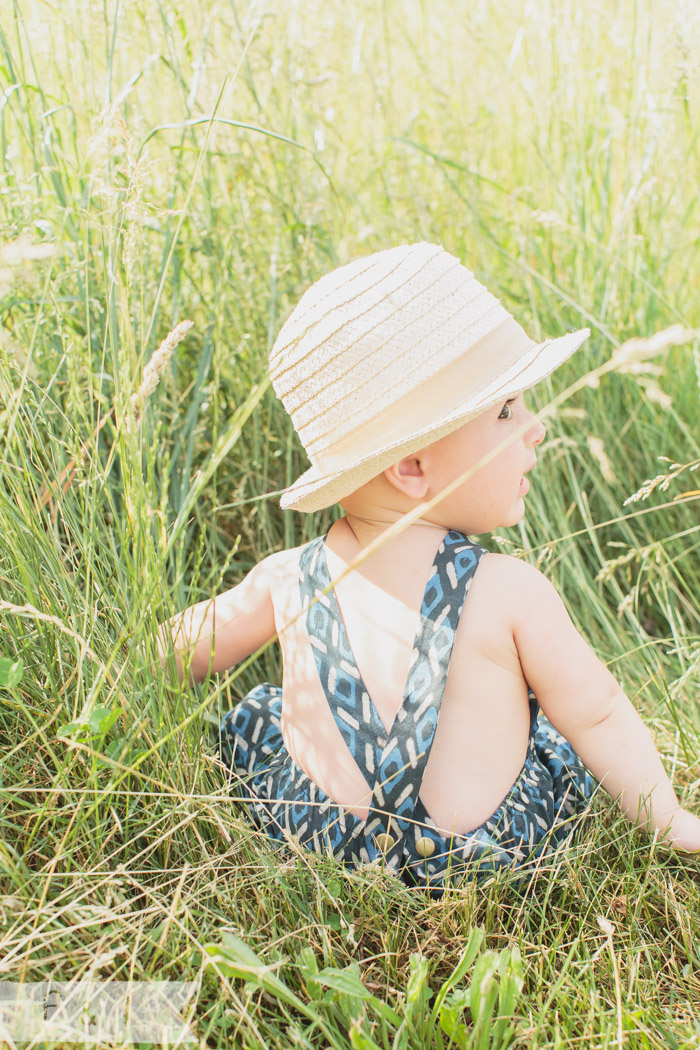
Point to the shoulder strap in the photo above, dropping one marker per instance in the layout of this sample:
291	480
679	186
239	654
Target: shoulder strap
404	758
355	715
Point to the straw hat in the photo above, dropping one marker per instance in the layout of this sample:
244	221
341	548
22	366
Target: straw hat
389	353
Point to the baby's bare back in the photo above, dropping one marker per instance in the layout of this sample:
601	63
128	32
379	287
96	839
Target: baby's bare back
481	741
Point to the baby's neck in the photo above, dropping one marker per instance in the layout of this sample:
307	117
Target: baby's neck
376	515
367	528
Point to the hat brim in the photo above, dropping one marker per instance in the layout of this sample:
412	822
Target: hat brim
316	489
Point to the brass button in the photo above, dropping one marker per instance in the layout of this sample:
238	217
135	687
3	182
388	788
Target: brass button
425	847
385	842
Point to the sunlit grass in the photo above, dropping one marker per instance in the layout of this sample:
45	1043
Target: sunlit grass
166	162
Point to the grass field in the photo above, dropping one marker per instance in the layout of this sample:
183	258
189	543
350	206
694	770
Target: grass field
205	161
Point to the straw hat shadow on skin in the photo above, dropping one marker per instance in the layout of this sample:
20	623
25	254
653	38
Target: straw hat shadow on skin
389	353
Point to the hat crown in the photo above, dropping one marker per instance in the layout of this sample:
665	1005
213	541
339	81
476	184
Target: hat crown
371	332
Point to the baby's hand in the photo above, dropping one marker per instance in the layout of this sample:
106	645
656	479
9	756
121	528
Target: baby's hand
683	831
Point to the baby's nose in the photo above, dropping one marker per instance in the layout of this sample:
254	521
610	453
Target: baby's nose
536	433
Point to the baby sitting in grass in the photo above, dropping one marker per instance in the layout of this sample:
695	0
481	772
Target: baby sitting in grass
438	712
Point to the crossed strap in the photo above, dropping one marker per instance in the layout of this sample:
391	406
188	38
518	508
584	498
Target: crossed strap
393	764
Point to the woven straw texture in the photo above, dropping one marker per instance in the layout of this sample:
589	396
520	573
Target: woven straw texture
407	338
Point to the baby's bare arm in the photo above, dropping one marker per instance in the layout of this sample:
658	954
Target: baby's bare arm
218	632
585	703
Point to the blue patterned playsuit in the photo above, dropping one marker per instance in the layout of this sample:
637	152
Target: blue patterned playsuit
550	793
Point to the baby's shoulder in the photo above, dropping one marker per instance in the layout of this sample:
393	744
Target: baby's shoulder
280	566
280	572
507	567
512	586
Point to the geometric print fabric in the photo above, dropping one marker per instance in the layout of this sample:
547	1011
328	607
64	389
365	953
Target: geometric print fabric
551	791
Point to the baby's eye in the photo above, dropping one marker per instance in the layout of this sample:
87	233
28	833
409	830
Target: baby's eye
506	412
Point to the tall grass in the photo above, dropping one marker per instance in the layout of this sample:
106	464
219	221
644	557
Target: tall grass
207	161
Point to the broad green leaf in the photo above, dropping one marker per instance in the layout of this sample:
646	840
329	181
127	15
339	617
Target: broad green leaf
469	954
11	672
451	1018
418	987
101	720
483	996
70	729
234	958
334	887
347	981
119	751
511	986
307	962
361	1041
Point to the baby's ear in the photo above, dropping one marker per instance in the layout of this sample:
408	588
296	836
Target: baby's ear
408	477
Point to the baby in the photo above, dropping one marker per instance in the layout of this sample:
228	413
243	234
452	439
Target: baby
439	711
